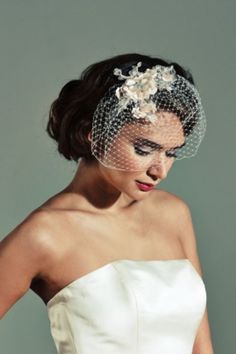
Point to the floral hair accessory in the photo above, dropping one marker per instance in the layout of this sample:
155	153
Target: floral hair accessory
139	86
148	106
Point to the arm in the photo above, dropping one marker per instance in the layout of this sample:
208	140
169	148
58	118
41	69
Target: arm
23	252
203	342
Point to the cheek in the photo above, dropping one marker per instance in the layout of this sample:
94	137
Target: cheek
118	178
122	156
133	161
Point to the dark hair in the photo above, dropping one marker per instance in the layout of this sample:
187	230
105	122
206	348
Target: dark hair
70	116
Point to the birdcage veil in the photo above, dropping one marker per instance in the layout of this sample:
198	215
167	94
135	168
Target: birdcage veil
140	107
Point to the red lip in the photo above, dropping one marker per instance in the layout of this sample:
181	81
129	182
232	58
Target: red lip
148	184
144	187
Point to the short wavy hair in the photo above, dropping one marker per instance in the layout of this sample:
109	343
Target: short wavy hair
71	113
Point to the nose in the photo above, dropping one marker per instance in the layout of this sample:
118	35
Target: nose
158	168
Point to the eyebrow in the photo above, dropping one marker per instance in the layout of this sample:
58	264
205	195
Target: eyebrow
155	145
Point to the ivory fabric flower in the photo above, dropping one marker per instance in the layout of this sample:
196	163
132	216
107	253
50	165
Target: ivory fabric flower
139	86
165	77
145	110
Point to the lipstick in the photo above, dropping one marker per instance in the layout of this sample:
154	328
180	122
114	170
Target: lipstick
145	186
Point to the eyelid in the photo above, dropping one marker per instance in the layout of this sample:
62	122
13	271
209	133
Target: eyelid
145	148
143	145
156	148
152	148
153	145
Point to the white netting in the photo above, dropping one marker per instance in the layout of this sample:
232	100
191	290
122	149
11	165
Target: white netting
152	117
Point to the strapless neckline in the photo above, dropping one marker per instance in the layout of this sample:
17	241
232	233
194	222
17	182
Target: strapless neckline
84	277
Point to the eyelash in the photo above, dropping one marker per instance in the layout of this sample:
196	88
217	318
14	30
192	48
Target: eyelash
145	153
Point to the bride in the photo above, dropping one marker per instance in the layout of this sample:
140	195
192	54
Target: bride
114	257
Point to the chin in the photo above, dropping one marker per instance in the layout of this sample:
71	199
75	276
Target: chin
135	194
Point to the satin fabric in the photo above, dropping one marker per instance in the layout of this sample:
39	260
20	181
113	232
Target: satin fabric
130	307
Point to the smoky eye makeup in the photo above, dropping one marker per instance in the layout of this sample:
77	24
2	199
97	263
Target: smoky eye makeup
145	147
153	144
142	150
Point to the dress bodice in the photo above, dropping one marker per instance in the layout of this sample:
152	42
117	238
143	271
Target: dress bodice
130	307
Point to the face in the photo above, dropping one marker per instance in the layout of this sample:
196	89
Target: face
144	153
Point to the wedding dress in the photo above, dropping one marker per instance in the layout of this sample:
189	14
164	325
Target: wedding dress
130	307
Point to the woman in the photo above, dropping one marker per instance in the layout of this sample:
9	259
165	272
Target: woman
115	260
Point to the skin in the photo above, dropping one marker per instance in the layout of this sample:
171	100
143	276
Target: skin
97	200
107	199
99	217
115	189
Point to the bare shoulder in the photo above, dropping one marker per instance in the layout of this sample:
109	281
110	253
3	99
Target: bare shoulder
181	218
170	202
31	233
24	253
177	213
178	207
34	239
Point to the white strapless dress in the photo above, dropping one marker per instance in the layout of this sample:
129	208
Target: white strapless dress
130	307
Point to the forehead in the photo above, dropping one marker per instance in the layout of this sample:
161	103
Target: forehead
167	130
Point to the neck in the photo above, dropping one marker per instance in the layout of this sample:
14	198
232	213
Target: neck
91	188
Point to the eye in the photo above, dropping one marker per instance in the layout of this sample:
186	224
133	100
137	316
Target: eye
171	153
143	152
140	151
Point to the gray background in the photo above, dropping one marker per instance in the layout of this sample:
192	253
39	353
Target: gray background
44	44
